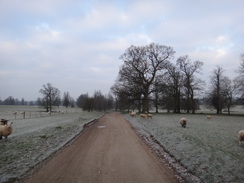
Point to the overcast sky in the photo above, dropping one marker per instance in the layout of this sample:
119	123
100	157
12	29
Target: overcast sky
75	44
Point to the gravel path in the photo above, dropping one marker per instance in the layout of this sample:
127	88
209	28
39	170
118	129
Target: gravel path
110	151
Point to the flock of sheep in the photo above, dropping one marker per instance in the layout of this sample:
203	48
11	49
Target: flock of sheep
183	122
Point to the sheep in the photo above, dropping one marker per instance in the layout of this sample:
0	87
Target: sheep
149	115
183	122
209	117
133	114
143	115
6	130
241	136
3	122
62	112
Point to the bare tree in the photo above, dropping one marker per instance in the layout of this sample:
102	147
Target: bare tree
141	65
67	99
51	96
127	94
85	102
239	80
191	83
9	101
229	89
109	101
81	100
89	104
156	93
216	93
173	88
99	101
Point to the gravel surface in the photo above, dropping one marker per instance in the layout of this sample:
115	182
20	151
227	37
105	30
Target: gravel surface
109	152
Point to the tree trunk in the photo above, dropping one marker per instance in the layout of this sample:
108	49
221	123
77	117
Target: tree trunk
144	105
228	110
193	104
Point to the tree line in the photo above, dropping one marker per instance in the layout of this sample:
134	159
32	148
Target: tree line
51	99
148	77
97	102
15	101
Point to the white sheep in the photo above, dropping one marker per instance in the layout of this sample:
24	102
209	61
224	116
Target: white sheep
149	115
6	130
241	136
133	114
143	115
183	122
209	117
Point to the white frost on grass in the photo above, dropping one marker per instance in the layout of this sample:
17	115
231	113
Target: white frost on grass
33	140
207	148
22	126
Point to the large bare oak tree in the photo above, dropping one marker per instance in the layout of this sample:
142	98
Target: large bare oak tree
51	96
141	65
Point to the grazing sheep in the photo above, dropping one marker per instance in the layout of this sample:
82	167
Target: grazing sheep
133	114
143	115
209	117
183	122
3	122
149	115
241	136
62	112
6	130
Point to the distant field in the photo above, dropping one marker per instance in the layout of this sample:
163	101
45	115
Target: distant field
209	149
6	111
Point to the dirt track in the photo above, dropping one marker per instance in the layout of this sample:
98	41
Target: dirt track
108	152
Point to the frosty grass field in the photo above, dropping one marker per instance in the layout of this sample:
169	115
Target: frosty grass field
36	137
208	149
